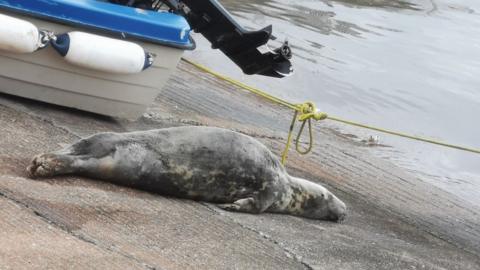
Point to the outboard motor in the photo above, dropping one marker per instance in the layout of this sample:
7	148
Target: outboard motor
213	21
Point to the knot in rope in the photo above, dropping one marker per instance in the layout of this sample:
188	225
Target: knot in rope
308	110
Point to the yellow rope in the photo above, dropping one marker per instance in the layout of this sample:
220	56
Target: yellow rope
242	85
307	111
404	135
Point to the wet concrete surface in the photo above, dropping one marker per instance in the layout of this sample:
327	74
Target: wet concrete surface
395	220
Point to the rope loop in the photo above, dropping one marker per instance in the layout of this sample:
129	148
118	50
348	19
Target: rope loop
310	135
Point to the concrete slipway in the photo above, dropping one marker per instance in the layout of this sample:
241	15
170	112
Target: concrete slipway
395	220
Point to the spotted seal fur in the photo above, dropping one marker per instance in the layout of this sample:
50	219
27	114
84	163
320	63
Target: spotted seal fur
201	163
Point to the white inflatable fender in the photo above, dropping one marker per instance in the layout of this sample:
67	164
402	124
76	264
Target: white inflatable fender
20	36
102	53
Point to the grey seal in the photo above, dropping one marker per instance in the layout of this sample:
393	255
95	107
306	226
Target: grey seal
200	163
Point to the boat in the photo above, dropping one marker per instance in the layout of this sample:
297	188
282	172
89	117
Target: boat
112	57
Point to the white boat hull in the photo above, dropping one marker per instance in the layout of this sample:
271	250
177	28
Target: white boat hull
44	75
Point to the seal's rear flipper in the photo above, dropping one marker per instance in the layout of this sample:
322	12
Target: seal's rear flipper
209	18
48	165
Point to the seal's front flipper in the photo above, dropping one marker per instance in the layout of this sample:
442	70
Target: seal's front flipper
246	205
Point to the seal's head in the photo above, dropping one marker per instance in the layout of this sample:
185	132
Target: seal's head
329	207
313	201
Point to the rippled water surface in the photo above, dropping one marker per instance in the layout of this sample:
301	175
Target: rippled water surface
407	66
